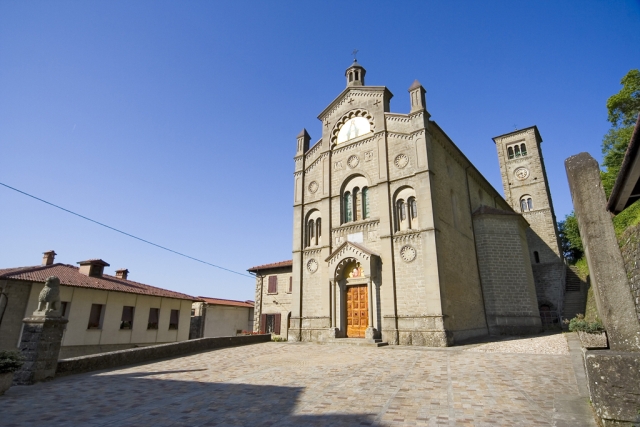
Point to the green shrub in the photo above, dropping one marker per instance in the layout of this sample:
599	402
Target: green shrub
579	324
10	361
277	338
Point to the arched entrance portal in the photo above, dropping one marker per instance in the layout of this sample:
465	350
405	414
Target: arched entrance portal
354	291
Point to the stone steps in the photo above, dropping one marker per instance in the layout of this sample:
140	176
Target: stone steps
358	342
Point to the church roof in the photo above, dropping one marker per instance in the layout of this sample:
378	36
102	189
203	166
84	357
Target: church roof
71	276
281	264
534	127
416	84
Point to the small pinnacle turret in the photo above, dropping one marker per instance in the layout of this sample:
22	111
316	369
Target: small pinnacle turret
355	74
417	94
303	142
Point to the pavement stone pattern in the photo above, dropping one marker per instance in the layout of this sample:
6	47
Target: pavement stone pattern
307	384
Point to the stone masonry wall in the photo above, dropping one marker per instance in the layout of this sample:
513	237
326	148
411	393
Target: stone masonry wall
18	296
630	248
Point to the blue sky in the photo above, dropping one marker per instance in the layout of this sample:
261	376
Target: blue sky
176	121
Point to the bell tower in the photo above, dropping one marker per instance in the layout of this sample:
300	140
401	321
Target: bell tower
355	74
526	189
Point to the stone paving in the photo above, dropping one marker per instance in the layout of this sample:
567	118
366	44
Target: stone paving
286	384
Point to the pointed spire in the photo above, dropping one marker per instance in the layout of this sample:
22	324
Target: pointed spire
355	74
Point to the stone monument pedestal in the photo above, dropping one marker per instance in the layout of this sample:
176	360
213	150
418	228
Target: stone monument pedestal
40	346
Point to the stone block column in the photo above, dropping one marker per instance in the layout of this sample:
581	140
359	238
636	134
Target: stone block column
40	346
606	266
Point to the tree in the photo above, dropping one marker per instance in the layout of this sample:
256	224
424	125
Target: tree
623	108
570	241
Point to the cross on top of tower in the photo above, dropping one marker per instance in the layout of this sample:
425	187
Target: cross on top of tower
354	53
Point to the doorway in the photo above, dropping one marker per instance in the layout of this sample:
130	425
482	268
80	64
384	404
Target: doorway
357	311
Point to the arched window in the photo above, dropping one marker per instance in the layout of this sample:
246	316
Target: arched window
523	205
526	203
348	208
318	230
310	232
413	207
357	213
510	152
530	204
365	203
523	149
516	149
402	210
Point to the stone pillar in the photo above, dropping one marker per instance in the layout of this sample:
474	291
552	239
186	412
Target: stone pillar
613	376
42	337
606	266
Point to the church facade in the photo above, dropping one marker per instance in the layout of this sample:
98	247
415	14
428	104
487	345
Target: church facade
398	237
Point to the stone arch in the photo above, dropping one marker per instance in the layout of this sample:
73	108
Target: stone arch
358	112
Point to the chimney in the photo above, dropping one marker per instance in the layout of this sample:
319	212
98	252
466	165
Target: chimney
122	273
92	267
48	257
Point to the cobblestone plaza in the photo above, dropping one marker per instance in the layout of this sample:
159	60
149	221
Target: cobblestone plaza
296	384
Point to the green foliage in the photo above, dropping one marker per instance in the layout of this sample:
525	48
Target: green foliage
614	145
10	361
624	106
579	323
570	240
627	218
277	338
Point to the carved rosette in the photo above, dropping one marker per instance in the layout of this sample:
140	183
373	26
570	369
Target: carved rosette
313	187
312	266
408	253
401	161
353	161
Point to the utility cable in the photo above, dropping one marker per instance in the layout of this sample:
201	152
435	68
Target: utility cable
125	233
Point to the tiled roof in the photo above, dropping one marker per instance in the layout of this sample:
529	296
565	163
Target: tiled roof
272	265
71	276
220	301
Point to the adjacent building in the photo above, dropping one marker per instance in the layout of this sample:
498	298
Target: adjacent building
217	317
274	288
105	312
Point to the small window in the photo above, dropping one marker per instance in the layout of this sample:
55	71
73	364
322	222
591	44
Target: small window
290	284
516	149
510	152
402	210
318	230
530	204
273	285
270	324
64	309
173	319
348	216
523	149
523	205
413	208
154	315
126	321
536	257
95	317
365	202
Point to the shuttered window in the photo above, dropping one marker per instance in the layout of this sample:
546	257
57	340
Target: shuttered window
273	285
173	319
126	321
154	315
95	316
270	324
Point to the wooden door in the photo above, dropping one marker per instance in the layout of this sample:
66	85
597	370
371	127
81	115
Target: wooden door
357	311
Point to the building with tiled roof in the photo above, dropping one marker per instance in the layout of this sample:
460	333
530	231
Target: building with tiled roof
273	297
105	312
217	317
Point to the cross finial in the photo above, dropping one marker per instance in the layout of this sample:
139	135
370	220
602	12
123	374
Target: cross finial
354	53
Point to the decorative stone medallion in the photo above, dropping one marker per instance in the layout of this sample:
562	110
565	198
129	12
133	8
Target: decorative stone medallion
521	174
401	161
408	253
353	161
313	186
312	266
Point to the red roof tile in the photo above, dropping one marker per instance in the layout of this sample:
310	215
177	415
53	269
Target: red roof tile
220	301
71	276
272	265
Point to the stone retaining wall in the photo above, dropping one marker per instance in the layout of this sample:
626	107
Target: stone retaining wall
630	248
132	356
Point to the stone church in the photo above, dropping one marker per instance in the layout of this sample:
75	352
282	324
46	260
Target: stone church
398	237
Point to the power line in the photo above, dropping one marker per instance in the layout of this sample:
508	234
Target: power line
125	233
